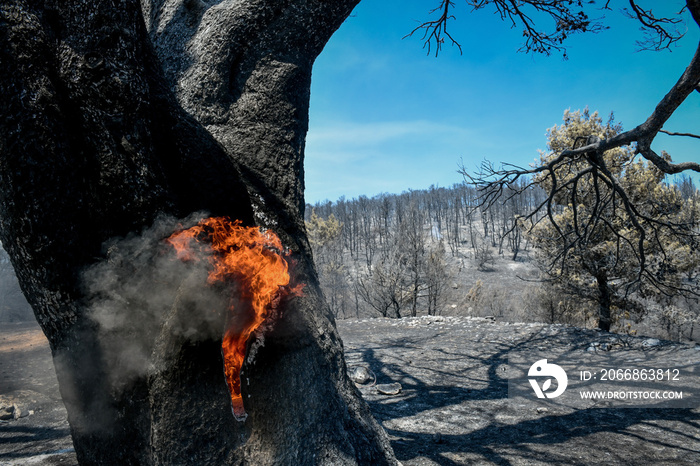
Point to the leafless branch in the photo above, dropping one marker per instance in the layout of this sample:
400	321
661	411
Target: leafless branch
671	133
644	134
433	31
661	32
569	18
568	21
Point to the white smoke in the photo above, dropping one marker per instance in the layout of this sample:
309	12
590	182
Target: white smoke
142	293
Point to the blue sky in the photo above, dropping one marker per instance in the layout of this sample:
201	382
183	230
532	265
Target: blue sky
386	117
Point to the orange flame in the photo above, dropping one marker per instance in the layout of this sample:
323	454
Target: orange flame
254	261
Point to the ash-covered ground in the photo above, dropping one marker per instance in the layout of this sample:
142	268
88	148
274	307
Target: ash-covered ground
33	425
454	408
439	386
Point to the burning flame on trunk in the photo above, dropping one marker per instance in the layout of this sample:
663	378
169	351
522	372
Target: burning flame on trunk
255	262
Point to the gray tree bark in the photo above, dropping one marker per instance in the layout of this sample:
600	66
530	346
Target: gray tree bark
117	113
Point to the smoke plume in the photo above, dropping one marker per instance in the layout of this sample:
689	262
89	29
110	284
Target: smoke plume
142	290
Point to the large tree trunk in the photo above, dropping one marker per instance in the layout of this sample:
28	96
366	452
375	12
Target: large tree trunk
110	122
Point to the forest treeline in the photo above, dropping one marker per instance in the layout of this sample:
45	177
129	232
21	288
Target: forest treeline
437	251
395	255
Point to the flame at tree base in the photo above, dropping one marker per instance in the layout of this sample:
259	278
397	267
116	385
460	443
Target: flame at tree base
255	262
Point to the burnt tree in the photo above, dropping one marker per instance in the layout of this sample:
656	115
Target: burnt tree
116	113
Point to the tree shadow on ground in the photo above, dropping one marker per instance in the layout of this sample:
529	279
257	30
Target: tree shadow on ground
26	436
501	444
418	395
436	380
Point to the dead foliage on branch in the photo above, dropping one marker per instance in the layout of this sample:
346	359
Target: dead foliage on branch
569	18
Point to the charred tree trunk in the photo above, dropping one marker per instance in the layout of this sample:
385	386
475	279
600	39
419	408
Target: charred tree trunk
604	301
109	122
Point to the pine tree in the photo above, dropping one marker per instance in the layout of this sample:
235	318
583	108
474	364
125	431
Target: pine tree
589	243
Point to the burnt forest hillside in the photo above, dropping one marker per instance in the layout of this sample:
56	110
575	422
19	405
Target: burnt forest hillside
438	252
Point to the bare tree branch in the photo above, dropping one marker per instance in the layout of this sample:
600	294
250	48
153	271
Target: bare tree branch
568	21
569	18
671	133
433	30
644	134
694	8
661	32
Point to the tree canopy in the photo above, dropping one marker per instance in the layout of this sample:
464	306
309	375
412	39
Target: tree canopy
590	244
